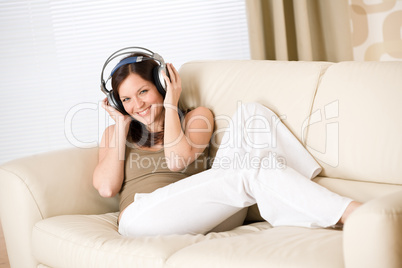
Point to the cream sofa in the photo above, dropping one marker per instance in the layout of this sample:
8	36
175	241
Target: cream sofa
348	115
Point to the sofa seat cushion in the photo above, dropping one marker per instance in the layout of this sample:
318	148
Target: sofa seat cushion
275	247
93	241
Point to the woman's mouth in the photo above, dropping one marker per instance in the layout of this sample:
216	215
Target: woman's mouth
144	112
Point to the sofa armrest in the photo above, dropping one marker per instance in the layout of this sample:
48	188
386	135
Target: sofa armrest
373	234
42	186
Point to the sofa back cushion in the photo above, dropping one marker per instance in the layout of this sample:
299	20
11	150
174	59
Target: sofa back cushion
355	130
287	88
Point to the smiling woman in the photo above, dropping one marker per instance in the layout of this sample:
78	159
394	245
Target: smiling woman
63	44
169	184
139	98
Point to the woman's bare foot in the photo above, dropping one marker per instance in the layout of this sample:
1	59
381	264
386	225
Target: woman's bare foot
349	209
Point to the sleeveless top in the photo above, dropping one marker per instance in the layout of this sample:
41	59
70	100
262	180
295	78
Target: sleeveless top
145	171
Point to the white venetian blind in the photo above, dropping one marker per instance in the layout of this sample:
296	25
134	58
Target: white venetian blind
52	53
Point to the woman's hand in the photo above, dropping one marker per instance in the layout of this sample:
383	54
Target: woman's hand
122	121
173	87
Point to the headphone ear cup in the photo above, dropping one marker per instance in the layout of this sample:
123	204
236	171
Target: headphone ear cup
159	80
115	103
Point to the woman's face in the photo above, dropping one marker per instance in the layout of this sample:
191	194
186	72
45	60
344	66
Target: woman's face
142	101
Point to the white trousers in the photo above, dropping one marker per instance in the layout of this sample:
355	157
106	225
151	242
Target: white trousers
258	161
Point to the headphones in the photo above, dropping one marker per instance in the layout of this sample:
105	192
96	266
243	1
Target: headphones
156	72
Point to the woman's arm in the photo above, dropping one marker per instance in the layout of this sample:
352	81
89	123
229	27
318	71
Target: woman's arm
183	147
109	173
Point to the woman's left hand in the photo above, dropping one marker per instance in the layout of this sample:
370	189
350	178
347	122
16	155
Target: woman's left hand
173	87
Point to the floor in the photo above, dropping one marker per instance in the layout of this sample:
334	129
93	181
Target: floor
3	252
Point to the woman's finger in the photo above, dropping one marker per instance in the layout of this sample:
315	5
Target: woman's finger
176	73
104	103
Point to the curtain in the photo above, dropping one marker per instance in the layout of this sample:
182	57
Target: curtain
376	29
323	30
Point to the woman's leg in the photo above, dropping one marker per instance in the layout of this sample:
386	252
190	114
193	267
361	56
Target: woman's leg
282	167
287	198
256	138
199	203
193	205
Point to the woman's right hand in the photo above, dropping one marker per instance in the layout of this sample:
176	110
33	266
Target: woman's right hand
121	120
113	112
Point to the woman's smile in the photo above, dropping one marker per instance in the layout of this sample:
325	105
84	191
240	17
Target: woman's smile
145	111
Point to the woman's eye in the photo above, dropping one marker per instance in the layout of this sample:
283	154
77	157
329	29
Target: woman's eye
143	91
125	99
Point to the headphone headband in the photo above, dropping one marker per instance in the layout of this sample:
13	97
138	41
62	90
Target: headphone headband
127	61
128	51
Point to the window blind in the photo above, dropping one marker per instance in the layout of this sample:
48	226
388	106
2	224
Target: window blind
52	53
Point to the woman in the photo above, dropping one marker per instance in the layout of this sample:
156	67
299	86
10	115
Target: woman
147	154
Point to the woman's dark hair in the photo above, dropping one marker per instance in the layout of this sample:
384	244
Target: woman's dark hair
138	131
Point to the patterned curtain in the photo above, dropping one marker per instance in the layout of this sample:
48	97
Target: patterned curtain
376	29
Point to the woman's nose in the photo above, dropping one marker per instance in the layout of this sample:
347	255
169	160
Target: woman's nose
137	104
